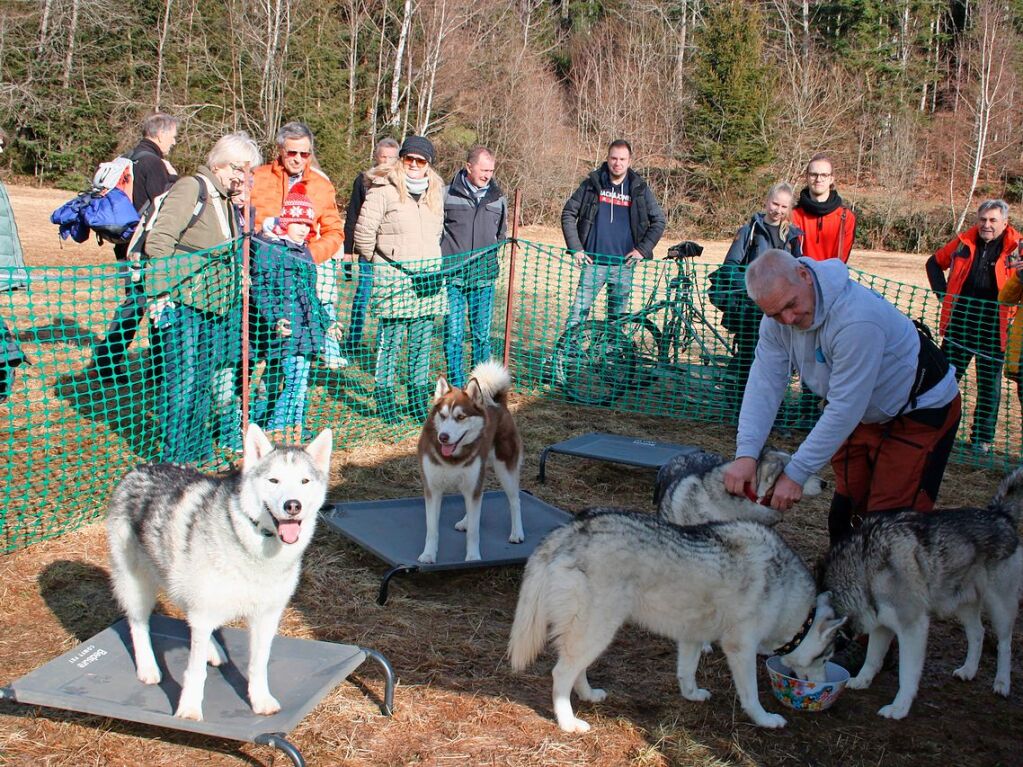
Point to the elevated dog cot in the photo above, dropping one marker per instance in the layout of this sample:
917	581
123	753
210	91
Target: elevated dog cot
616	448
98	677
394	531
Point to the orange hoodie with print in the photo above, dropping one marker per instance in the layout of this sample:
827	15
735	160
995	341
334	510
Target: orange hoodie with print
270	187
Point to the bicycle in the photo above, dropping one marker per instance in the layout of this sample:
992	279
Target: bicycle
597	361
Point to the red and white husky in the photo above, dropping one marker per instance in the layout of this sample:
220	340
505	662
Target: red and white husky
465	430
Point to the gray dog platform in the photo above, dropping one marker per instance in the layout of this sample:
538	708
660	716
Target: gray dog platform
394	530
98	677
616	448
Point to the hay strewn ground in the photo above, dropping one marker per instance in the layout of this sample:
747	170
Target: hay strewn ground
458	702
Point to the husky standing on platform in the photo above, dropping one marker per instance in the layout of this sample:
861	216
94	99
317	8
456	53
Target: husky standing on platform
897	569
465	430
734	583
690	489
222	547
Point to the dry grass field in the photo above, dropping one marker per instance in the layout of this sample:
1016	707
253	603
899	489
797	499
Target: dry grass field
457	701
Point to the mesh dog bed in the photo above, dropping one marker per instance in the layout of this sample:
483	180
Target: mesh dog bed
98	677
394	530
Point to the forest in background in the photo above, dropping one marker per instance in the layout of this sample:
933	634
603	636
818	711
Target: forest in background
916	100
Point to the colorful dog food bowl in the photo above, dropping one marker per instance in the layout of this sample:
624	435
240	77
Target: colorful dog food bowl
801	695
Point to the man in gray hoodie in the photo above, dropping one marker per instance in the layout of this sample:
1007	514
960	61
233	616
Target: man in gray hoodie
892	404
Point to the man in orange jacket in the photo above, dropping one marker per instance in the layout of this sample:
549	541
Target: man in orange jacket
972	322
271	184
828	226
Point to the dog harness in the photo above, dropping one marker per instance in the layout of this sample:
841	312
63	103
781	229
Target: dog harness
793	643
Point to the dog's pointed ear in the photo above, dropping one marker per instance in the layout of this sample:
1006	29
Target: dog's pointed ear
319	450
474	392
256	446
830	626
443	387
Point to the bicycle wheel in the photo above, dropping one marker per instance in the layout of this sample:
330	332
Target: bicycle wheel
646	338
594	362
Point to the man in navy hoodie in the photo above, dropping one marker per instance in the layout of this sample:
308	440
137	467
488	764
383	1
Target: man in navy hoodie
611	223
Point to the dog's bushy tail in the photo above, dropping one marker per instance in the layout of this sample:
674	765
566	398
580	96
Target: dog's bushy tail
1009	496
494	380
529	629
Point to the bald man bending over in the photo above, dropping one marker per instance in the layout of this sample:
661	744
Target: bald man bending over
892	404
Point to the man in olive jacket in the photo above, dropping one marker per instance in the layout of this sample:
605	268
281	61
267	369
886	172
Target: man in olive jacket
611	223
475	221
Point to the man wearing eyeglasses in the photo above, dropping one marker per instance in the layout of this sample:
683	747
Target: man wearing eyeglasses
828	225
270	185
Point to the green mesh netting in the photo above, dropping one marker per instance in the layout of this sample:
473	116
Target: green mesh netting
102	368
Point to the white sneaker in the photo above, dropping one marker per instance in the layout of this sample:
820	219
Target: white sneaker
337	364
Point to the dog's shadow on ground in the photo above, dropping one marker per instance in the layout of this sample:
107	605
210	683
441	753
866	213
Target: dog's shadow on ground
79	595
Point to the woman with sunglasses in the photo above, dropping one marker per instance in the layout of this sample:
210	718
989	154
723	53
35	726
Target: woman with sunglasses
399	231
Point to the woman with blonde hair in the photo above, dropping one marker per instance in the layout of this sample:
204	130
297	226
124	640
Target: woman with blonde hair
399	231
766	229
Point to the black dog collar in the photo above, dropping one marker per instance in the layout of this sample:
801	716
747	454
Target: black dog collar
793	643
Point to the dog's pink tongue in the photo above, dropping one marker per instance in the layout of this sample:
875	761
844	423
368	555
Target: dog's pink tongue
288	530
447	450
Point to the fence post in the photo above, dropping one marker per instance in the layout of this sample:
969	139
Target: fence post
246	284
510	302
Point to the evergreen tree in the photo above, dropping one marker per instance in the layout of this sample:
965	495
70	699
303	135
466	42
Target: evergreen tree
729	125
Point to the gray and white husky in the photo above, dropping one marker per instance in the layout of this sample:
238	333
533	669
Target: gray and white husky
734	583
690	489
898	569
222	548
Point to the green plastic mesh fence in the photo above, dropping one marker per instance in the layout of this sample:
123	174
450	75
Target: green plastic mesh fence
103	367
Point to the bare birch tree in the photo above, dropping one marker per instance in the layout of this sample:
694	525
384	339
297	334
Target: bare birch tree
394	113
985	55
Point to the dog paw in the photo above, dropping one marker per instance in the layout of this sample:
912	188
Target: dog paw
893	711
595	695
772	721
149	675
516	538
859	682
265	705
190	711
1001	687
214	658
574	725
473	556
697	695
965	673
461	524
428	558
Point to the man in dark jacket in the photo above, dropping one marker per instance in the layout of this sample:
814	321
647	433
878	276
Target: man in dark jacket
611	223
475	221
385	152
153	175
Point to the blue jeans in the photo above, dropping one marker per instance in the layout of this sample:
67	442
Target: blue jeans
184	401
618	278
479	302
363	290
287	386
391	334
331	351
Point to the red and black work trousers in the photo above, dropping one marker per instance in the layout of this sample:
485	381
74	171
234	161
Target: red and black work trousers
891	466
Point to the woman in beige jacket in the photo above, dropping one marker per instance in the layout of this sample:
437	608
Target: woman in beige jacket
399	231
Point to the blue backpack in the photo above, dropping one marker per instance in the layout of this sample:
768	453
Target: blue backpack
108	213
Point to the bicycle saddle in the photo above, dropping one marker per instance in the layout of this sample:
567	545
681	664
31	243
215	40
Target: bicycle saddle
687	249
